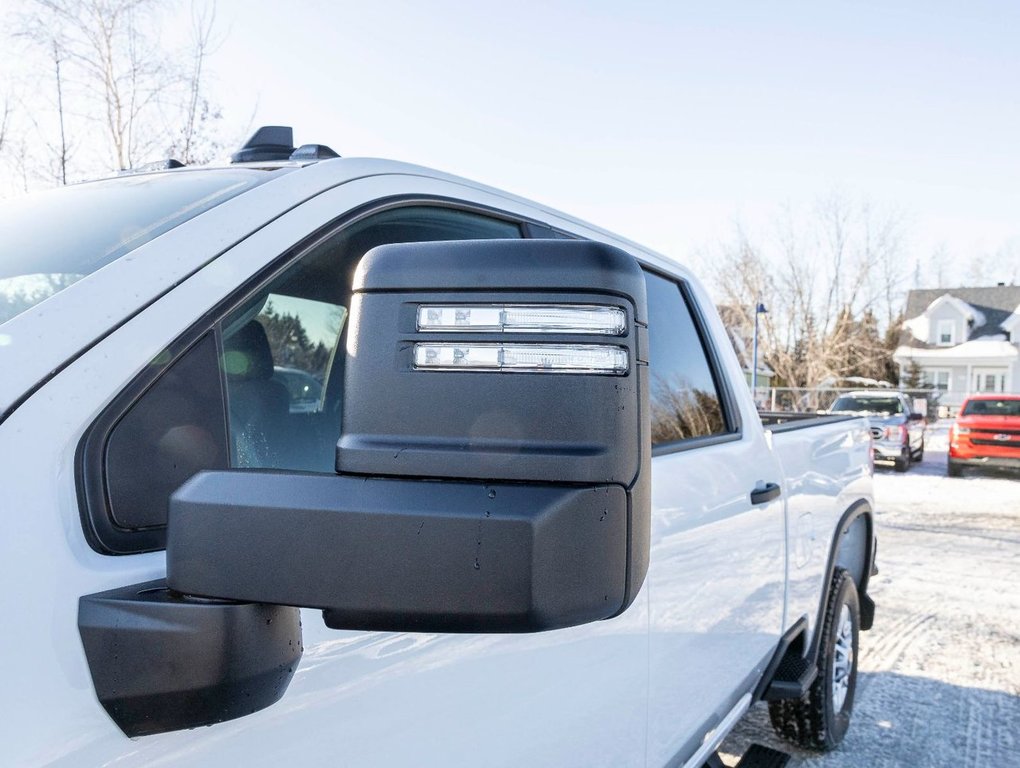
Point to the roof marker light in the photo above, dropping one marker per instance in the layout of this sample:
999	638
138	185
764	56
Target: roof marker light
524	318
522	358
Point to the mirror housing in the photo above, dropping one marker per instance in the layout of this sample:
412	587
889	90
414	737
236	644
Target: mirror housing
494	458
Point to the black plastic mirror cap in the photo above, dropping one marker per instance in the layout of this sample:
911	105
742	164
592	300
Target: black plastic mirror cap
404	555
504	265
164	662
403	420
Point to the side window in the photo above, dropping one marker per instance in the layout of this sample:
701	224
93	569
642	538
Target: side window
264	389
284	377
684	395
176	429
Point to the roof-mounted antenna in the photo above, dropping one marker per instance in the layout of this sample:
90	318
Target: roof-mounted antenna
270	142
313	152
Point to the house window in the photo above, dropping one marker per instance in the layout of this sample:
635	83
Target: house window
946	333
940	380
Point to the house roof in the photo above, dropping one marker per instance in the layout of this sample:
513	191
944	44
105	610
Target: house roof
993	304
981	348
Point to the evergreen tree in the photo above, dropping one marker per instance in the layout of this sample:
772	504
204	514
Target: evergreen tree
290	345
913	376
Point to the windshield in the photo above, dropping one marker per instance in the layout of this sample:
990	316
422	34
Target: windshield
992	408
50	240
849	404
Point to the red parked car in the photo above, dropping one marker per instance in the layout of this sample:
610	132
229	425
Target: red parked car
986	433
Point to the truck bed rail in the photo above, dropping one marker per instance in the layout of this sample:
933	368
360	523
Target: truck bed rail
786	421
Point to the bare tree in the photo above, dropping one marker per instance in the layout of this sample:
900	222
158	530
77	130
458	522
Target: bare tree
940	267
63	152
120	67
826	281
119	96
5	122
193	144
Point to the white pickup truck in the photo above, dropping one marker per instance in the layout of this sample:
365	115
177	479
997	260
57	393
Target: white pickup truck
517	509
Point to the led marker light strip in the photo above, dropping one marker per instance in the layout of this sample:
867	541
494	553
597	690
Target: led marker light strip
524	318
521	357
535	358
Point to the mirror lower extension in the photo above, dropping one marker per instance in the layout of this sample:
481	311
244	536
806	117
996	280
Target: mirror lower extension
377	554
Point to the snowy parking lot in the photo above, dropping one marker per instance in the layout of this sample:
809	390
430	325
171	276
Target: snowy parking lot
939	681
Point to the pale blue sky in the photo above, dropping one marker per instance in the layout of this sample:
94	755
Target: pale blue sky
660	120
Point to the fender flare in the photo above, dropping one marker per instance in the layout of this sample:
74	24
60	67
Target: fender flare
859	510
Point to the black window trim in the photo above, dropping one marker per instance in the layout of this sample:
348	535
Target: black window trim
101	531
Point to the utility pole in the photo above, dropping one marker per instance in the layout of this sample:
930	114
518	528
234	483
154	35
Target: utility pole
759	309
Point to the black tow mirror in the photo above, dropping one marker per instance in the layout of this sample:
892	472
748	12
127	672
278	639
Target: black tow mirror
493	466
492	476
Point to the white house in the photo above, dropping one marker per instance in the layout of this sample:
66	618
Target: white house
964	339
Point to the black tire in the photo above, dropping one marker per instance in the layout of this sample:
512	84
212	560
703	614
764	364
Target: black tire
953	469
813	721
902	463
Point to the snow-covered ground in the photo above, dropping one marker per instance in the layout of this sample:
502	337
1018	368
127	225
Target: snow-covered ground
939	680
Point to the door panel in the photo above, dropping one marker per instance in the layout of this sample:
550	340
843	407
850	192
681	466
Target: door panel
716	586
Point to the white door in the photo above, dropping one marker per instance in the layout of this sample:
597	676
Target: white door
569	697
989	380
717	571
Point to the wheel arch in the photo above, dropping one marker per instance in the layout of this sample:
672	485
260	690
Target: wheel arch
853	548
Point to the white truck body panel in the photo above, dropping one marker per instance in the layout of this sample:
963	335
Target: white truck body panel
616	692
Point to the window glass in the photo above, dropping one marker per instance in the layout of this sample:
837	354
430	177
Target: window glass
111	218
1004	407
283	372
850	404
685	401
171	433
937	380
946	328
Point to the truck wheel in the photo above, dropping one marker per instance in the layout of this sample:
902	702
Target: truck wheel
953	469
902	464
820	719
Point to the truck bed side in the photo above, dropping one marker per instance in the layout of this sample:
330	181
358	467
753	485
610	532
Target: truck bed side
827	482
